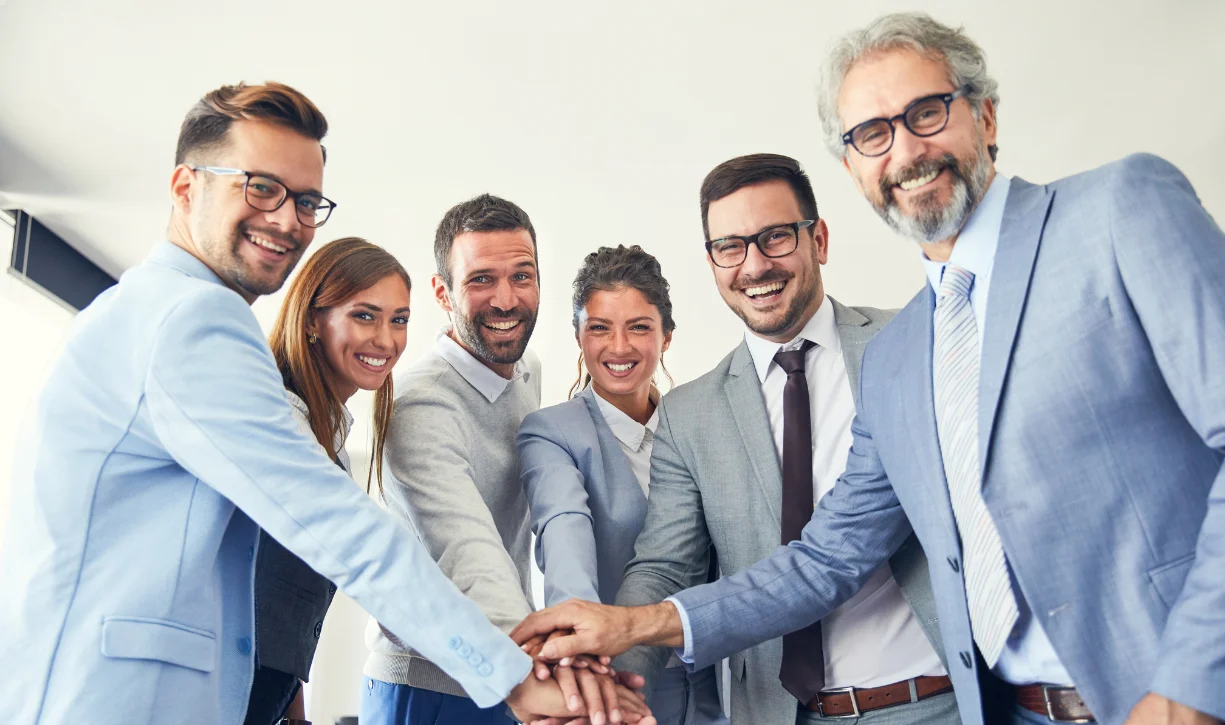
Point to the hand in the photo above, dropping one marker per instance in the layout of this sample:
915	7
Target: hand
1153	709
612	694
631	704
600	629
533	646
532	700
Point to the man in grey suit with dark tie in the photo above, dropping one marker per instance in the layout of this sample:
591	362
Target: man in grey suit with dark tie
743	452
1047	415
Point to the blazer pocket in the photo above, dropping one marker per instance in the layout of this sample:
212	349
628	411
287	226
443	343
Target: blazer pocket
146	638
1167	579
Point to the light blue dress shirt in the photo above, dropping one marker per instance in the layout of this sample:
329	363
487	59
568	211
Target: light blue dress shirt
161	444
1028	655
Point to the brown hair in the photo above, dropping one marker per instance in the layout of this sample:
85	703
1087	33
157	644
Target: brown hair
735	174
608	269
207	123
336	272
484	213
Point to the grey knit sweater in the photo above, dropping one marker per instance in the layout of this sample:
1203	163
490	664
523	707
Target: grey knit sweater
451	471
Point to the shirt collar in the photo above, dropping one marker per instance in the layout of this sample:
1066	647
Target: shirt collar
175	257
627	430
478	375
821	329
975	246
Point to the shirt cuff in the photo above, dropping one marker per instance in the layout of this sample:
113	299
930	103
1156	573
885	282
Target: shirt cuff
686	652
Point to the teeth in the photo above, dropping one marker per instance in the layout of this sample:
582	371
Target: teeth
377	362
509	325
619	368
266	244
764	289
916	183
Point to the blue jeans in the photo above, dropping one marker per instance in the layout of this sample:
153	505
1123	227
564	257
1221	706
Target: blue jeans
386	704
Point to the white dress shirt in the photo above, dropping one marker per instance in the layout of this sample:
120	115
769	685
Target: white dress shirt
873	639
636	439
1028	655
489	383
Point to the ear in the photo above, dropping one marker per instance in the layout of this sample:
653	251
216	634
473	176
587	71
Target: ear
667	343
312	324
820	237
181	183
441	294
990	130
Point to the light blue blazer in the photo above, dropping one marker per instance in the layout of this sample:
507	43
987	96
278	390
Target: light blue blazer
161	444
1101	434
586	504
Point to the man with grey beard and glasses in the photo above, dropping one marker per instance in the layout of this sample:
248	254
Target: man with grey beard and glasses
453	465
1047	415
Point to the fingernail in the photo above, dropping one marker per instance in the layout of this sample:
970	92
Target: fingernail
598	719
575	703
616	716
565	662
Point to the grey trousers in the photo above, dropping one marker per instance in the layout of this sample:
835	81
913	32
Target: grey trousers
940	709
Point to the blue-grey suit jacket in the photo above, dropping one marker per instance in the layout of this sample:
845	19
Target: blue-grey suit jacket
1101	433
160	446
586	504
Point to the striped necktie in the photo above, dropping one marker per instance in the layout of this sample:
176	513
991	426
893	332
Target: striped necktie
993	605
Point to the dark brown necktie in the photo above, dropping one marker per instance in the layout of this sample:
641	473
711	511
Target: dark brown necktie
803	670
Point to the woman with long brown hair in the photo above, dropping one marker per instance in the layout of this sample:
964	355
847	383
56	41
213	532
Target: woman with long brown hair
341	328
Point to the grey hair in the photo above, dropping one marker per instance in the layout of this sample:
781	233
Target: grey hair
964	60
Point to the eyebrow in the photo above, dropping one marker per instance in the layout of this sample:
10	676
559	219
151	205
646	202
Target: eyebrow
281	181
376	308
759	231
644	318
487	270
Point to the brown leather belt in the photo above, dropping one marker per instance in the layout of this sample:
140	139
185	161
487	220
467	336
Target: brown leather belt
853	701
1055	703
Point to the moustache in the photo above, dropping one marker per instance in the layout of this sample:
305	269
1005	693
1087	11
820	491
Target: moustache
763	279
287	240
917	170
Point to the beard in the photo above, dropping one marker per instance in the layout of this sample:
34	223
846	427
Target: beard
239	273
931	221
791	316
471	330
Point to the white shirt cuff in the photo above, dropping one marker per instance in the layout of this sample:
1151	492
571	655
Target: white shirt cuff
686	652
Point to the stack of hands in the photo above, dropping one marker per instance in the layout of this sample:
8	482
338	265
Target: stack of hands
573	685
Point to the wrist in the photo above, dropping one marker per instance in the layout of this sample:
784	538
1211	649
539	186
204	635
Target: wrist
658	625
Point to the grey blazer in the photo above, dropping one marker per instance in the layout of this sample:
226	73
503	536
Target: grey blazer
586	505
719	481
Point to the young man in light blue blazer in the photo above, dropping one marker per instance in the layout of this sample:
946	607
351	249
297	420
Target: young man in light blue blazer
163	442
1047	415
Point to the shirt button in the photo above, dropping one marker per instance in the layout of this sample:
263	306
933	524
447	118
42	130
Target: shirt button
318	629
244	645
967	660
953	564
251	554
485	670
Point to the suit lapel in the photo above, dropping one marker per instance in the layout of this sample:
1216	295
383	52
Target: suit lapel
919	403
854	330
743	391
1020	232
622	476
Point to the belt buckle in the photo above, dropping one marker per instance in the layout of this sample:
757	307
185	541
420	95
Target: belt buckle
1050	710
837	691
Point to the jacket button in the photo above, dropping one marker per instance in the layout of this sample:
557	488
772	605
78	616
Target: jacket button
954	565
455	642
485	670
967	660
476	660
318	629
464	650
244	645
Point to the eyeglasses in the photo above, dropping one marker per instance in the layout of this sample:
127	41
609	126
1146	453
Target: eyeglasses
779	241
268	194
926	116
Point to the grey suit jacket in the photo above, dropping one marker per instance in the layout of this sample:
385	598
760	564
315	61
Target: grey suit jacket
716	479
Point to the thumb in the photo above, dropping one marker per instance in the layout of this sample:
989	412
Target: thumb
568	646
537	624
632	680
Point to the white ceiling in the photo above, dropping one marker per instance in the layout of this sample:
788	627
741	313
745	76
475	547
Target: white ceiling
599	119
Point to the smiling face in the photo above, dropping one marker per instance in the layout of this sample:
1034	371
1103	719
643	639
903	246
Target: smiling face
622	339
775	296
363	336
495	295
924	187
252	251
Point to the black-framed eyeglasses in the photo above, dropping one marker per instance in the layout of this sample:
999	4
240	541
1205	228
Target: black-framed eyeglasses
926	116
268	194
776	241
